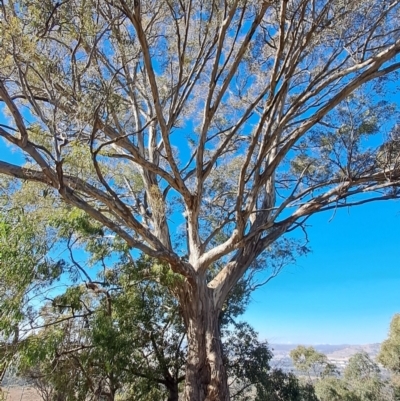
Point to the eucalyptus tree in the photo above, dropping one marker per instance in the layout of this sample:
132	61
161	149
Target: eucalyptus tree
25	269
361	379
115	349
100	323
310	362
201	132
282	386
389	354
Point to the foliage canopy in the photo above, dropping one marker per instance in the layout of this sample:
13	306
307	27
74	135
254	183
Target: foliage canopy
200	132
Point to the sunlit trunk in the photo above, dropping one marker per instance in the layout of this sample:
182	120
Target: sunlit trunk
205	373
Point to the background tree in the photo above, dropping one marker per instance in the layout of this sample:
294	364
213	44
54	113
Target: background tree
247	361
25	269
97	337
311	363
281	386
333	388
113	347
361	381
364	379
237	115
389	355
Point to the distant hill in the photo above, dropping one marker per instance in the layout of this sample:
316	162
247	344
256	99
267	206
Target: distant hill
337	354
340	350
348	350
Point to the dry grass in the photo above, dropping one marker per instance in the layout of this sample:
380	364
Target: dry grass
21	394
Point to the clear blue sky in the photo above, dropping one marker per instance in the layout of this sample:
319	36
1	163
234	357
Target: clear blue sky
346	290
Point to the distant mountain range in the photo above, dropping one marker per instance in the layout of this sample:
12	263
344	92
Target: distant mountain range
331	351
337	354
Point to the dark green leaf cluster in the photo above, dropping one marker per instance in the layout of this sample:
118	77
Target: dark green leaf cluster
361	379
281	386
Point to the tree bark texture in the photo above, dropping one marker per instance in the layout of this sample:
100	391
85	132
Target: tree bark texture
206	378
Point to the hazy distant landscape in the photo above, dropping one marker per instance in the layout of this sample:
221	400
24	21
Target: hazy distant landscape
16	390
337	354
331	351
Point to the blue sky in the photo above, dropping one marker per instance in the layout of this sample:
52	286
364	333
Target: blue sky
346	290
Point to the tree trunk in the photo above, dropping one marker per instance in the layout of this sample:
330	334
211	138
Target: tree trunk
205	372
173	391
